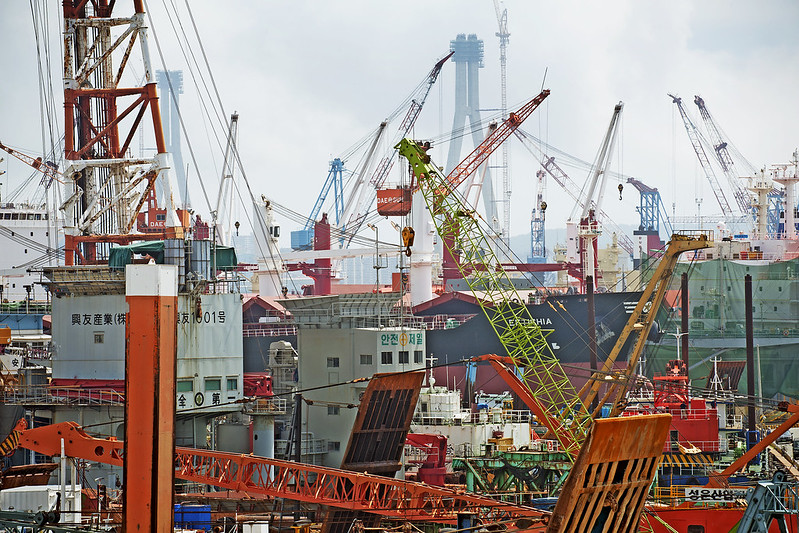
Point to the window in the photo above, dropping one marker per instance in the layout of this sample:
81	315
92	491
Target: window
160	217
212	384
366	359
333	445
386	358
417	356
99	338
404	357
332	409
185	385
232	383
332	362
695	529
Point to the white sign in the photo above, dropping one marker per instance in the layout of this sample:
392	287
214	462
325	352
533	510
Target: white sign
700	494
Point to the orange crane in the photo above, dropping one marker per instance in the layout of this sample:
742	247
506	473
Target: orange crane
388	497
719	479
48	168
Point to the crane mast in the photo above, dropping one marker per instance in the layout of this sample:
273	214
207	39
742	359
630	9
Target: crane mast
504	36
106	188
696	141
559	409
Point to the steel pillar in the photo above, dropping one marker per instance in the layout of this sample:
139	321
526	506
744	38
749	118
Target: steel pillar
150	355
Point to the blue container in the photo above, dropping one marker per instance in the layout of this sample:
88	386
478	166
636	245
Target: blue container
193	516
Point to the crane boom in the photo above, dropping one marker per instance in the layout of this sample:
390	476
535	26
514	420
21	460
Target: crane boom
723	156
276	478
573	190
494	139
49	169
356	213
639	324
459	227
696	141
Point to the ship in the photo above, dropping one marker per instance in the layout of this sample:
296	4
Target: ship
717	318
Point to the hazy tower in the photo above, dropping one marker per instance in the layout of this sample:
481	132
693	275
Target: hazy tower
468	58
170	87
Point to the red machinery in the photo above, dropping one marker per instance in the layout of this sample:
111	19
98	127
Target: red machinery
432	468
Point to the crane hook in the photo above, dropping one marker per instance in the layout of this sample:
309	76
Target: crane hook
621	187
407	239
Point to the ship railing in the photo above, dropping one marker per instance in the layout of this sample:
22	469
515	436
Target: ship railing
22	307
515	497
266	406
717	445
269	329
47	395
467	417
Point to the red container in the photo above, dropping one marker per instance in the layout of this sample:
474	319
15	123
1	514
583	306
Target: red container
394	202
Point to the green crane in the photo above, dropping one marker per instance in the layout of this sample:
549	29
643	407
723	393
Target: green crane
557	405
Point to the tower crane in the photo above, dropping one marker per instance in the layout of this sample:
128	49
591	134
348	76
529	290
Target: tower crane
697	141
462	235
504	37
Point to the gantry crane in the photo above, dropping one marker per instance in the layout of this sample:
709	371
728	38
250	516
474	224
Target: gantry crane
556	403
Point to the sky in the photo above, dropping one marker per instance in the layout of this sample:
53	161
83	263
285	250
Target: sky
311	79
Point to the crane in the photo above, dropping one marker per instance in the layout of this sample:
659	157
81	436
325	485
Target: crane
639	324
48	169
355	209
461	173
352	208
697	142
459	226
538	248
572	189
652	212
504	36
277	478
720	148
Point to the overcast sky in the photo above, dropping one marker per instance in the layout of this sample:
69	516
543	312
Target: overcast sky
311	78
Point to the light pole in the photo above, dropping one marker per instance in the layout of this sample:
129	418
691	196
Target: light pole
678	336
377	267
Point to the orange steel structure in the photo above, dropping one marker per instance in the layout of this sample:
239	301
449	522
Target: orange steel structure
106	188
720	479
276	478
505	367
150	355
